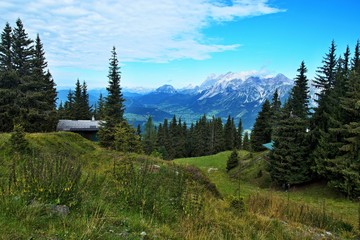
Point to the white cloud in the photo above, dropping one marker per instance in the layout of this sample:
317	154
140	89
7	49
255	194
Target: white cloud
82	33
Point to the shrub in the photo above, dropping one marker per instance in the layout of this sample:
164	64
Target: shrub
237	204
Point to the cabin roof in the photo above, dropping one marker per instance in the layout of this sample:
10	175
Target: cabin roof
78	125
269	145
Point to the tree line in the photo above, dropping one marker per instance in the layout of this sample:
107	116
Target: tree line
322	142
175	139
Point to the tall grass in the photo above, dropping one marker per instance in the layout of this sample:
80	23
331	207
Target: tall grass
47	179
287	210
162	192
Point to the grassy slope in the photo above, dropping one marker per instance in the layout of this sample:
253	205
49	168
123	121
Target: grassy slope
317	195
102	215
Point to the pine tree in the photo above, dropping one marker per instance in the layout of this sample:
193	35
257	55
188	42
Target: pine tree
229	134
324	81
261	132
114	104
217	135
180	142
233	160
322	118
9	84
343	169
202	136
22	49
299	96
246	142
239	134
69	111
126	139
289	161
355	61
5	49
163	139
149	136
84	107
190	141
39	94
275	108
28	93
77	104
100	110
61	111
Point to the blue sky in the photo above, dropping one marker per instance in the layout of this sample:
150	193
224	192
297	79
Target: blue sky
183	42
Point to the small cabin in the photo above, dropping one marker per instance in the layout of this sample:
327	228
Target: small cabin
86	128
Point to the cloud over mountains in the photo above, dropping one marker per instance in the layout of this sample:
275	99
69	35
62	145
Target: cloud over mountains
81	33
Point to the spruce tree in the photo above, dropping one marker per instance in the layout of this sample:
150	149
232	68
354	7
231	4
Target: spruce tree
69	111
114	104
86	108
5	49
180	142
324	81
100	108
77	104
39	94
261	132
149	136
246	142
190	141
239	134
233	160
355	61
343	169
22	49
9	84
289	161
300	94
229	134
321	119
126	139
202	136
218	140
81	102
275	108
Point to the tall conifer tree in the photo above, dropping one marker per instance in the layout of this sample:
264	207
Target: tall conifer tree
299	103
261	132
114	103
9	83
149	136
22	49
289	159
5	49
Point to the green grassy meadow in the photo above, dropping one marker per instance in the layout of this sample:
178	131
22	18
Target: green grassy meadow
113	195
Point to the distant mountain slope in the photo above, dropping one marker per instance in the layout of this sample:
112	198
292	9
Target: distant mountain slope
232	94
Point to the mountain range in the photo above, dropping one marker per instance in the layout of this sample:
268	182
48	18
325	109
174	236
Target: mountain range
219	95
